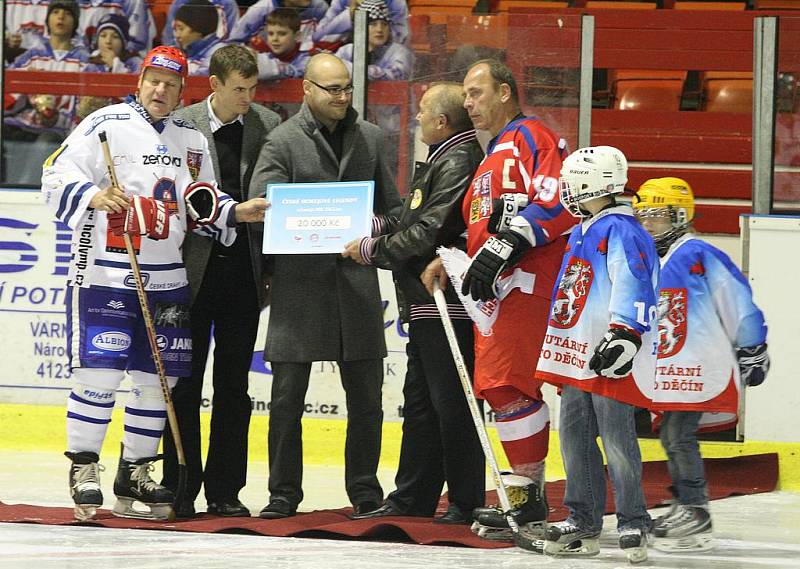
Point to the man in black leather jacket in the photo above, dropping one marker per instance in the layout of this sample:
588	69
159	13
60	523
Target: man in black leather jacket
439	440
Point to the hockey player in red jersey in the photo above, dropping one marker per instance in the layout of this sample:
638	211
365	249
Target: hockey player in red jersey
515	224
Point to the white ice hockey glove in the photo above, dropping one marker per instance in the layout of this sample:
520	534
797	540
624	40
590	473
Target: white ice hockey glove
492	259
753	364
202	203
613	356
504	209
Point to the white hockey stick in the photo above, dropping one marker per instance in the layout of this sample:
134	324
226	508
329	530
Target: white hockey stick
477	418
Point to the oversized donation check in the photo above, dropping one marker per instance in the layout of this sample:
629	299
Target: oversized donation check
316	218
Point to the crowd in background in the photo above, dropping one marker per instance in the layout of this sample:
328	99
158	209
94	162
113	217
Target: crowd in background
111	36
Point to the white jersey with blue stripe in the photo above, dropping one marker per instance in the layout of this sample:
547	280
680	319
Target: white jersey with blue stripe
153	159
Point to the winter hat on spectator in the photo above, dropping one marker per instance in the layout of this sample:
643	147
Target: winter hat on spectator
200	15
375	9
70	5
115	22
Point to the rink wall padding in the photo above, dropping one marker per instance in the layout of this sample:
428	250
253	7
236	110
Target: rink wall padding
751	474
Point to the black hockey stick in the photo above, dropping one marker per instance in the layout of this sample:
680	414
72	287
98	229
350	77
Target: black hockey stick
535	545
180	491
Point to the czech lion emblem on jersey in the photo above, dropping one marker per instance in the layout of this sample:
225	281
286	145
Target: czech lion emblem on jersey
572	293
672	316
194	161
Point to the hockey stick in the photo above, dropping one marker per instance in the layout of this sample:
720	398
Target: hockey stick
477	418
180	491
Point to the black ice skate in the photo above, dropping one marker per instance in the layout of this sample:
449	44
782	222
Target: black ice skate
568	539
633	542
133	484
687	530
84	484
529	511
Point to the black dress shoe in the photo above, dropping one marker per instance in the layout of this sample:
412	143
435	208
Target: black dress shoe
185	510
277	509
368	510
453	516
228	509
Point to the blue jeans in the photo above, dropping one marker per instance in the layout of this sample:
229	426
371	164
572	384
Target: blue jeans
584	416
679	438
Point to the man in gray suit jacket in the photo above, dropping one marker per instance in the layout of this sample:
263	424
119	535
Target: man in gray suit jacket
325	307
227	293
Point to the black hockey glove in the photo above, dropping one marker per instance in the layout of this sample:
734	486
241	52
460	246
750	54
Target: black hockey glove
504	209
753	364
613	356
492	259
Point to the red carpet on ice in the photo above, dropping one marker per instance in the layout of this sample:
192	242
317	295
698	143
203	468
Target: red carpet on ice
726	477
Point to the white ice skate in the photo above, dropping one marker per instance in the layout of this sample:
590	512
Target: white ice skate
133	486
84	484
688	530
568	539
633	542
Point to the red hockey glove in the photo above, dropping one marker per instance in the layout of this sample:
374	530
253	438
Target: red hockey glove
613	356
202	203
145	216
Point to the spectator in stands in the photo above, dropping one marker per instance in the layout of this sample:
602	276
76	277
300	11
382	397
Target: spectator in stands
110	55
35	125
387	59
284	58
24	27
195	32
227	11
254	20
136	12
59	52
334	29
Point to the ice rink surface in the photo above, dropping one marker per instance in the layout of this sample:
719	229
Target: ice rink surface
759	531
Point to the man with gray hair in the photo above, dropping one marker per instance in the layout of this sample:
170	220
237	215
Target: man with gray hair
439	440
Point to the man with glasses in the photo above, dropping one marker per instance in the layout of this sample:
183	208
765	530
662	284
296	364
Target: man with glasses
325	307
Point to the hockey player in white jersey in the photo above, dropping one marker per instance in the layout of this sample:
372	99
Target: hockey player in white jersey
166	188
600	350
712	342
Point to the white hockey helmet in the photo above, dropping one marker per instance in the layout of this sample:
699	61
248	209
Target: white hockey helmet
590	173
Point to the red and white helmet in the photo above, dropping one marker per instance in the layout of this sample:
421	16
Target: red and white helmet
167	59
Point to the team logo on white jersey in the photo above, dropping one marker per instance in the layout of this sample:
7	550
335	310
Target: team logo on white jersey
672	316
572	293
194	161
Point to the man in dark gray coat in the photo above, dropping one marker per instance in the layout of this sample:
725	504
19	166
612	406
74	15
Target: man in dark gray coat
325	307
227	294
439	440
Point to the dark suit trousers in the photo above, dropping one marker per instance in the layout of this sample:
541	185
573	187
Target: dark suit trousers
362	381
439	439
226	304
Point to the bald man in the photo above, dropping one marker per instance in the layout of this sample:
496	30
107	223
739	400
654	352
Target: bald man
439	440
325	307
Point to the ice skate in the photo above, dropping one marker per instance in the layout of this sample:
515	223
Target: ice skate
568	539
529	509
633	541
133	484
688	530
84	484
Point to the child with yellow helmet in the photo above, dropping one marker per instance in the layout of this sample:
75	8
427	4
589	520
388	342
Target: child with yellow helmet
711	341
